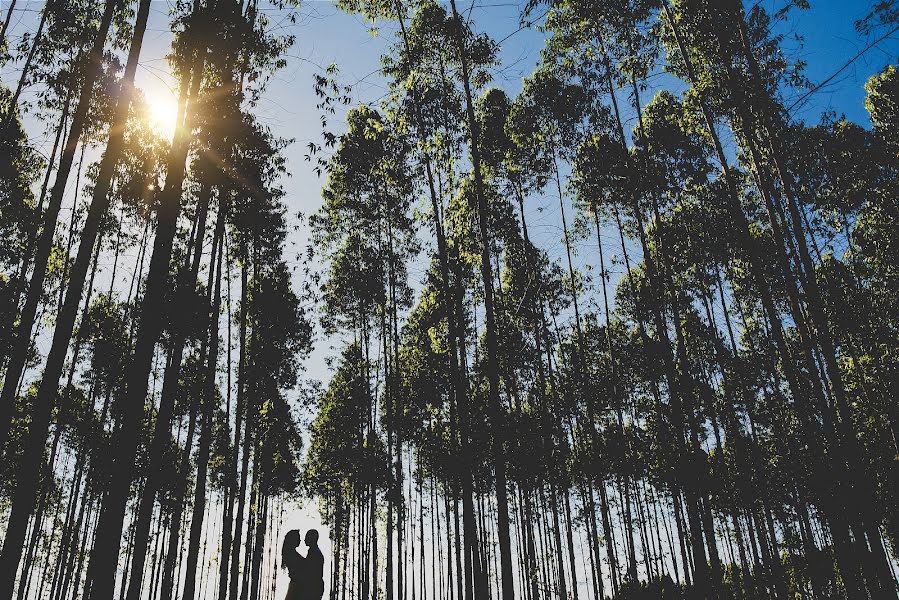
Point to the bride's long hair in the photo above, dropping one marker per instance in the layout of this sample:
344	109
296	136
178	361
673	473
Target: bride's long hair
291	541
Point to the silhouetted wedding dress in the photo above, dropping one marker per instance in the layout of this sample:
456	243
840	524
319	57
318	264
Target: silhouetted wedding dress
294	563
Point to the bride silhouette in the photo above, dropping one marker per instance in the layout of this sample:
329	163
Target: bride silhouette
306	572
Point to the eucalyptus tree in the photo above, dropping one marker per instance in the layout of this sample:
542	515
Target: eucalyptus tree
340	458
742	48
679	406
21	166
101	572
22	340
633	51
837	188
368	197
550	117
280	338
52	76
881	105
77	64
546	124
473	51
846	202
614	41
235	157
257	228
421	78
43	401
573	32
418	75
880	262
367	221
708	428
629	187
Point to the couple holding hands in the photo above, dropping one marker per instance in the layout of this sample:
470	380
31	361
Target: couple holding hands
306	572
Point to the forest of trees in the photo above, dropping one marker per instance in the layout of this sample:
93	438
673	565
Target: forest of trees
695	398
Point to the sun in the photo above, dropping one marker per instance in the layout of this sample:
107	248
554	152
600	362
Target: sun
162	110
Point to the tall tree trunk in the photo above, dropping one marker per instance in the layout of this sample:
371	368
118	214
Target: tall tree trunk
452	296
848	563
230	482
208	397
494	404
248	419
12	5
173	553
28	248
882	580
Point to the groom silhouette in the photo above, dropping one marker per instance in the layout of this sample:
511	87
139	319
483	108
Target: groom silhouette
313	569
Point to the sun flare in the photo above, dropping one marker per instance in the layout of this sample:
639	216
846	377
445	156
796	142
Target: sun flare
162	109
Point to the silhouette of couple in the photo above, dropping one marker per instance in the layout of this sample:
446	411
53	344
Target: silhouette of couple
306	572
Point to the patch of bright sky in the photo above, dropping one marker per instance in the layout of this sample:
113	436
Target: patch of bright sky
162	106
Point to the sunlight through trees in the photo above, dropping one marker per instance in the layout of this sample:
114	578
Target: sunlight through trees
688	392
